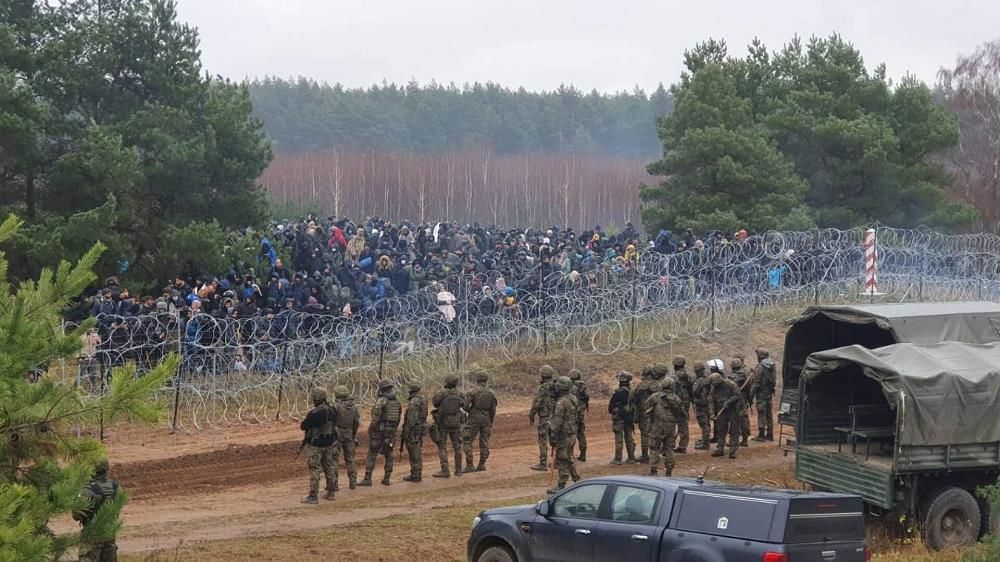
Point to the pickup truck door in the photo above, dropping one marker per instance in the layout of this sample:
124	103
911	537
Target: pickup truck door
631	531
567	533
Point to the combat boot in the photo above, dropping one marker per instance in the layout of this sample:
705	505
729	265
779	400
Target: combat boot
644	457
469	468
616	462
412	478
310	499
443	473
541	467
681	451
631	460
713	440
583	456
744	443
329	495
732	454
352	482
558	487
769	436
385	480
701	445
336	486
760	436
653	471
481	467
367	481
718	453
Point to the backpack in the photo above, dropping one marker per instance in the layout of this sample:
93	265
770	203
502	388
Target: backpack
392	411
483	400
451	404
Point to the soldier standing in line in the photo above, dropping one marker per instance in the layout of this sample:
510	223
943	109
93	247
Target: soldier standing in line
620	408
663	408
583	404
562	432
448	403
764	378
683	389
699	398
725	403
320	439
639	396
481	406
741	376
99	490
541	406
347	420
382	432
414	422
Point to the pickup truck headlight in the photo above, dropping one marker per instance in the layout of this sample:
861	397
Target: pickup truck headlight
475	521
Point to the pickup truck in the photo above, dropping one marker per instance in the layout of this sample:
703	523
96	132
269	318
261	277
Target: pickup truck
650	519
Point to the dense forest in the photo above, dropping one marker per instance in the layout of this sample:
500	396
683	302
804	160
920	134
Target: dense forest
303	115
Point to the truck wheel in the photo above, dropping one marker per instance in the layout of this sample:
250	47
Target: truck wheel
949	518
497	554
991	517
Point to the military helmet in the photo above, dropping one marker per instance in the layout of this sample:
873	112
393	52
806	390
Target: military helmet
736	363
384	384
647	372
660	370
655	386
667	384
482	376
699	368
547	372
715	379
575	374
564	384
101	466
341	392
624	376
414	386
762	353
679	361
451	381
317	394
716	365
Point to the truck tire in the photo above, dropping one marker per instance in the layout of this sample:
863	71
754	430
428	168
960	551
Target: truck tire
949	517
991	517
497	554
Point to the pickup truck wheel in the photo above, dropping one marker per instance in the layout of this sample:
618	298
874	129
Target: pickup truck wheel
497	554
950	517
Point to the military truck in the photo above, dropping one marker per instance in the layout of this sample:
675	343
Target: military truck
911	428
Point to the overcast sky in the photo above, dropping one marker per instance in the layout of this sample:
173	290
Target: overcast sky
605	44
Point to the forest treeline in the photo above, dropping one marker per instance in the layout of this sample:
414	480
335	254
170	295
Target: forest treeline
302	114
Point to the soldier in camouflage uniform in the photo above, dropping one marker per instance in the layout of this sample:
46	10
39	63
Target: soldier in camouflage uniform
764	380
620	408
562	432
382	432
99	490
321	441
481	406
699	398
683	389
414	423
725	402
347	420
448	403
583	404
541	407
741	377
639	396
663	407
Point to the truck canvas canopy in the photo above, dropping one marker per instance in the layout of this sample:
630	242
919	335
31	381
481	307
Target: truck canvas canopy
945	393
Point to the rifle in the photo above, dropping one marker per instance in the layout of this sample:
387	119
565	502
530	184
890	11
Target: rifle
302	445
402	442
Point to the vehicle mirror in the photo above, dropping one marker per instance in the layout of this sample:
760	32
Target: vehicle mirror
542	508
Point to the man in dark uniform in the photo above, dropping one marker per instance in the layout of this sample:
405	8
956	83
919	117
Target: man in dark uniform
764	379
98	491
481	407
583	404
414	423
683	389
320	439
382	432
620	408
347	420
448	405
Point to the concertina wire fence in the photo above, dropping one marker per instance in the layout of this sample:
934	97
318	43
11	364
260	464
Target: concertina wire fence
256	370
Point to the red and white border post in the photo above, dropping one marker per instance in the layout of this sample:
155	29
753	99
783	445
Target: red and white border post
871	263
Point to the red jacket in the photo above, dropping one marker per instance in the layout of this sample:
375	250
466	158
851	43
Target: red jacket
337	238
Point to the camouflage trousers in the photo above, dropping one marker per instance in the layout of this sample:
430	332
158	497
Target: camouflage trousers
644	435
581	434
565	464
623	431
744	417
661	443
701	415
380	443
683	434
543	440
765	417
455	436
321	461
347	447
414	444
469	433
728	424
99	552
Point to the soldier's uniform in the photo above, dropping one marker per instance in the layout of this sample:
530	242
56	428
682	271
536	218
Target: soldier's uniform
414	423
541	407
663	408
765	378
583	404
448	418
347	420
639	396
321	445
725	402
382	432
620	408
99	490
699	399
562	432
740	376
683	389
481	406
